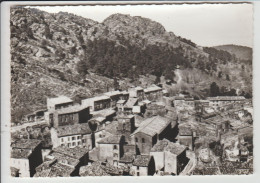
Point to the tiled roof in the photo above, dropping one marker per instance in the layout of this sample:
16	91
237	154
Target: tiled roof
226	98
131	102
127	158
26	144
71	109
76	152
55	170
152	126
76	129
97	169
184	131
166	145
113	139
112	127
142	160
20	153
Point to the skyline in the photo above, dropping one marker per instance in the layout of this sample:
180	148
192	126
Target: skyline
225	23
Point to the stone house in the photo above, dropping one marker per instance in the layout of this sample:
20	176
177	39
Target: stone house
59	102
137	92
97	103
143	165
169	157
153	93
114	96
26	156
150	131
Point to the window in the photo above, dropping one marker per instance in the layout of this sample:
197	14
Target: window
137	167
78	143
100	136
136	139
73	143
62	140
69	144
143	141
68	138
73	138
78	137
138	174
115	146
83	140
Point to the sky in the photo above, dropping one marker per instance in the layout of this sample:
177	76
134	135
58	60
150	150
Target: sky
204	24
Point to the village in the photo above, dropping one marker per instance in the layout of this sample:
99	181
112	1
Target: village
136	132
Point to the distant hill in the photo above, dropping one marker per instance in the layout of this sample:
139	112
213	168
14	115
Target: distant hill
241	52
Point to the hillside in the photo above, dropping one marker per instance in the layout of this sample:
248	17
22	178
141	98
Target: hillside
241	52
64	54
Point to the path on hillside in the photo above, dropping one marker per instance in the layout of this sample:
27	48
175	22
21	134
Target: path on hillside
178	74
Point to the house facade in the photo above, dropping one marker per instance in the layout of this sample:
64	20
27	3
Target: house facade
97	103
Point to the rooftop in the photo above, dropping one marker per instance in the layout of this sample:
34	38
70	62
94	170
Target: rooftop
76	152
131	102
113	139
58	100
30	144
20	153
166	145
79	129
103	113
112	93
153	126
185	131
121	101
97	98
127	158
125	92
152	89
71	109
226	98
142	160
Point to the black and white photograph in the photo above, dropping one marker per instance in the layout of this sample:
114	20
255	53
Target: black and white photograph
131	90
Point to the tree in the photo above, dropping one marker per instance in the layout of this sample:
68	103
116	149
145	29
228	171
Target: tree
227	77
116	84
82	67
214	89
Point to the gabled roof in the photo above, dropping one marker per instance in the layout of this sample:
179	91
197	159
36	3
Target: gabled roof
30	144
20	153
127	158
76	152
153	126
142	160
113	139
76	129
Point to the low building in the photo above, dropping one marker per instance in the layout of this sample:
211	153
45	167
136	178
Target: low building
143	165
126	124
111	149
26	156
124	95
169	157
97	103
128	107
150	131
137	92
120	105
186	137
224	100
108	114
178	101
153	93
36	116
72	136
68	116
59	102
114	96
63	162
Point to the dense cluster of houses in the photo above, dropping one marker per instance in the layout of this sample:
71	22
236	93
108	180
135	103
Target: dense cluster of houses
132	132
